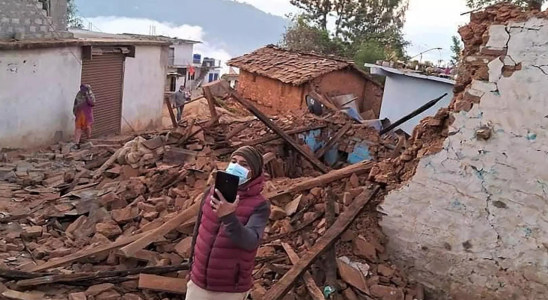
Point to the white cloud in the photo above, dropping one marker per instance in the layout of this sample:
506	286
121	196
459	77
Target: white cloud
143	26
275	7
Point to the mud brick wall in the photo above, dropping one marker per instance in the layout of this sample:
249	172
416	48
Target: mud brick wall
272	96
471	223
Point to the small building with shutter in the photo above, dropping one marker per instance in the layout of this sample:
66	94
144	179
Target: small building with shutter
39	79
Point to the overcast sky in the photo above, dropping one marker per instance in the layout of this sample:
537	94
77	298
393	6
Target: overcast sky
430	23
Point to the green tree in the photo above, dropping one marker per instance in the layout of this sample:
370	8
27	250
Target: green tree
370	52
360	25
72	15
456	48
303	36
532	4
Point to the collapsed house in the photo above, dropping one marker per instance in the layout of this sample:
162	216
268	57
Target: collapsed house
280	80
461	203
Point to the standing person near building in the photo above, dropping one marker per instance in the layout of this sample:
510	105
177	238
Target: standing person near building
83	111
178	102
227	235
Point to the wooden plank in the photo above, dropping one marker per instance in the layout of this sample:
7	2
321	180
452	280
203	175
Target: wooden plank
171	114
323	243
359	168
266	139
85	253
331	254
309	282
210	101
313	160
333	141
275	137
162	284
76	277
158	233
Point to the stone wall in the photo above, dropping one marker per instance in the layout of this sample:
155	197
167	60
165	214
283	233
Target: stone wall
470	220
33	19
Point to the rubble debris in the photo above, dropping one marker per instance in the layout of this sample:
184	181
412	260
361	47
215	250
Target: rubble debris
282	287
115	211
313	289
314	161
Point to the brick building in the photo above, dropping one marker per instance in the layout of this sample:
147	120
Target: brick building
279	80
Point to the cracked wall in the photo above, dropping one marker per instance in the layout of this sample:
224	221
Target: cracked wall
473	221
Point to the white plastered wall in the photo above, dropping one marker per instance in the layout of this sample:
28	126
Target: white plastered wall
37	90
473	221
144	82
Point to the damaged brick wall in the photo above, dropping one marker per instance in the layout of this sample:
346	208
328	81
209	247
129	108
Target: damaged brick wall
471	222
351	82
271	95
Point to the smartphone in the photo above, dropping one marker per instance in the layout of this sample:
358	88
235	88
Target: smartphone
227	184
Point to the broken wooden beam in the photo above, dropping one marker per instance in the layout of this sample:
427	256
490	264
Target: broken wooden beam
275	137
158	233
313	160
321	152
84	254
210	101
359	168
162	284
78	277
283	286
267	139
330	258
171	114
309	282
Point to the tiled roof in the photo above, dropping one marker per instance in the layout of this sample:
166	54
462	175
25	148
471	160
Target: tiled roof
290	67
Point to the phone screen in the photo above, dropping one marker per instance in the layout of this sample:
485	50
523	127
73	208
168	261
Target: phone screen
227	184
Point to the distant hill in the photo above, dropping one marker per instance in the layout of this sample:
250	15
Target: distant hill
237	27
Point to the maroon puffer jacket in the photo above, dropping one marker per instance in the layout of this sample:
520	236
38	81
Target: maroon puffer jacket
218	264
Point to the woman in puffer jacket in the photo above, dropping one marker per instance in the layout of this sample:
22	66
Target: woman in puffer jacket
227	235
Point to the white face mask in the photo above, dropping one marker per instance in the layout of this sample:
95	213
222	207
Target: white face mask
237	170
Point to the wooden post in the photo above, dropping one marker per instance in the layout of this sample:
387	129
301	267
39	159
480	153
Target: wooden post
280	289
331	255
158	233
313	289
210	101
171	114
314	161
358	169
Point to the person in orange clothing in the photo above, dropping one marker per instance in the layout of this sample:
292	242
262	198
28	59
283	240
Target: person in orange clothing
83	111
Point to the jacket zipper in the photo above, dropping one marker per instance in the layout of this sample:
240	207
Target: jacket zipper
237	281
209	256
